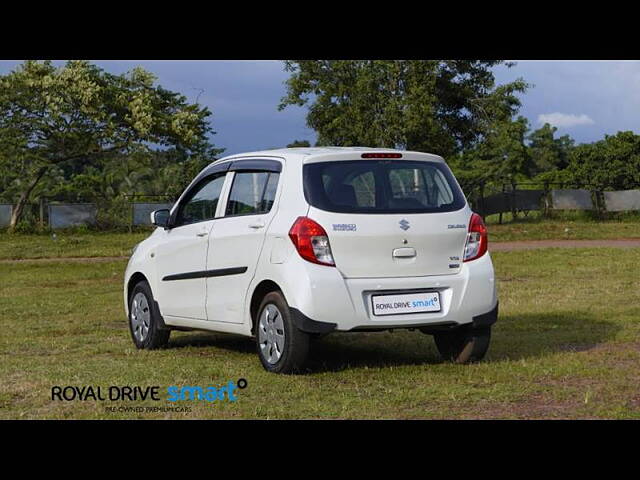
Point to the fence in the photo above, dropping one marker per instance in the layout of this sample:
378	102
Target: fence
514	200
571	200
55	215
622	201
5	214
71	214
510	200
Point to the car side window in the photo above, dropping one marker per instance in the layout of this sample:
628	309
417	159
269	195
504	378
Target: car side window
252	193
202	204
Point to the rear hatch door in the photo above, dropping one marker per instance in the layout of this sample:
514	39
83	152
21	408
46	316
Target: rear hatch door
381	246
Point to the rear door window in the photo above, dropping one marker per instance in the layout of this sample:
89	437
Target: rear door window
252	193
382	186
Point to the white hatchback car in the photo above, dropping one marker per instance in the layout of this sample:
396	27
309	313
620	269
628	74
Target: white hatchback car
289	244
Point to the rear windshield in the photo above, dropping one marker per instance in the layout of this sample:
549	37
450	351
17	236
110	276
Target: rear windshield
382	186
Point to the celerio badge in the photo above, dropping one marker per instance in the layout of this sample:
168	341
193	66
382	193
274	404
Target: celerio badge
344	227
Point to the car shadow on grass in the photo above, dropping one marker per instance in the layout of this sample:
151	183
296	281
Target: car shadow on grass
345	351
334	352
535	335
515	337
235	343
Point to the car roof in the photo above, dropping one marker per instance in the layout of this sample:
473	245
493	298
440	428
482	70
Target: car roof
306	154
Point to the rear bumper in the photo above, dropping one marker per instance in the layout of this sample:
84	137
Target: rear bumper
344	304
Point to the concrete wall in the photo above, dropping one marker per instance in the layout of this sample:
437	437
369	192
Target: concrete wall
5	214
71	214
571	200
622	201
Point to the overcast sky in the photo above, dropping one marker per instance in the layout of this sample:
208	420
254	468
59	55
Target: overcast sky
585	99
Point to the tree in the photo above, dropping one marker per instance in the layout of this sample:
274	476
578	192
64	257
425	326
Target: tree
610	163
501	157
299	143
438	106
77	115
549	153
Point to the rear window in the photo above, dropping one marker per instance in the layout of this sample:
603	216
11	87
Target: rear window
382	186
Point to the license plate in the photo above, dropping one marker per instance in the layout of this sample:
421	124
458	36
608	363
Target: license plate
406	303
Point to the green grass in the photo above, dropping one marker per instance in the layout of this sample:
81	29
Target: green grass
566	346
96	244
85	244
559	229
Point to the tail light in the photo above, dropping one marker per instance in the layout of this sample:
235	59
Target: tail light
311	241
477	239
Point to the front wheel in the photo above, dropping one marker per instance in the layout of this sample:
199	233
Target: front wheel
144	319
282	347
463	344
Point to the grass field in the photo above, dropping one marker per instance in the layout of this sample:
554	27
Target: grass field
68	244
95	244
562	229
567	345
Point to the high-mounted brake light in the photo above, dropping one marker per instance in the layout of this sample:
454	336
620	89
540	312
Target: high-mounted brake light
311	241
477	239
381	155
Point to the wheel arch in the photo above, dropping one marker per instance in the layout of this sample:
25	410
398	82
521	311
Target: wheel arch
134	279
262	289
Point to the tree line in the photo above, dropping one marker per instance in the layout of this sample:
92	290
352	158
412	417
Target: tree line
78	133
454	109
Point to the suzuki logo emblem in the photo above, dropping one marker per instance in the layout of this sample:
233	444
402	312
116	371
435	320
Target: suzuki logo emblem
404	224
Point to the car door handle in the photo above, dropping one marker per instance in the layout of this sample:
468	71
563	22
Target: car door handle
257	224
202	234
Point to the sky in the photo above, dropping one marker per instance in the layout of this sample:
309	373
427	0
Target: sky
585	99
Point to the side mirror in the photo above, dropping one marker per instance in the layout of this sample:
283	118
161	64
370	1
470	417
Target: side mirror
160	218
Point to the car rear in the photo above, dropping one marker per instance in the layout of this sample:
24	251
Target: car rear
389	241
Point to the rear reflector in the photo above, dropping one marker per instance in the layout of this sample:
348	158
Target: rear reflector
381	155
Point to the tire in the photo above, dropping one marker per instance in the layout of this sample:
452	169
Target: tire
463	344
282	347
145	323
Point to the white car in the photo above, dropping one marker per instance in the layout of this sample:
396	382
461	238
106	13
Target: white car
284	245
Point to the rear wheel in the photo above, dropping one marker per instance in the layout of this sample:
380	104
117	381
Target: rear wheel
463	344
144	319
282	347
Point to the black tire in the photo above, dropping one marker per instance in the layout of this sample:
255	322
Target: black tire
296	342
156	336
463	344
